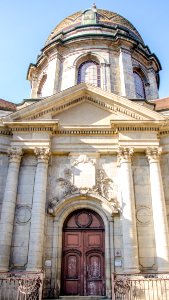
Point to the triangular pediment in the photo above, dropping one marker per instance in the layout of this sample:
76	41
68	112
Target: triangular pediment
85	104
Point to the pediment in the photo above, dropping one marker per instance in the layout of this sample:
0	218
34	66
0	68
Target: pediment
85	104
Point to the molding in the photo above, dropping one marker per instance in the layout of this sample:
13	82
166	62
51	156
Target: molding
112	108
5	131
42	125
80	92
86	131
131	125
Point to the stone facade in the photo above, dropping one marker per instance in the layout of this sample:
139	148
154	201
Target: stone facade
86	147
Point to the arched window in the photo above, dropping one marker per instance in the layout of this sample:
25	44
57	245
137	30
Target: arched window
89	72
139	86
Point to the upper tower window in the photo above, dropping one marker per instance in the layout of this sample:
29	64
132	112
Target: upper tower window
139	86
89	72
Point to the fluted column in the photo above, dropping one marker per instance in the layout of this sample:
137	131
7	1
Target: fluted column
130	245
8	207
35	252
159	210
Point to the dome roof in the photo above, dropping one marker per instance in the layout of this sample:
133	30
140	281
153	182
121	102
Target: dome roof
102	18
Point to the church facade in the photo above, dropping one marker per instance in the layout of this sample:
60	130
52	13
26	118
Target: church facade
84	164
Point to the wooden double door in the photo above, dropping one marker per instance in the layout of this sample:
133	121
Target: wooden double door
83	254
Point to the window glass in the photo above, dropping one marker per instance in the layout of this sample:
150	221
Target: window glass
89	72
139	85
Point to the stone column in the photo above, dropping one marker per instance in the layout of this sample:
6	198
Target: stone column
8	207
35	252
130	244
159	210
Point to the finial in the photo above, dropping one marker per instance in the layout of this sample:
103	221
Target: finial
94	5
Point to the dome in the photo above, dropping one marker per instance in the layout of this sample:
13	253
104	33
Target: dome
101	17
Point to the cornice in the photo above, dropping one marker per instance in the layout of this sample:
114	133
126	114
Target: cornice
4	130
86	131
112	108
131	125
82	92
42	125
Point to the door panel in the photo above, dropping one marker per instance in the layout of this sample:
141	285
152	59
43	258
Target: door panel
94	278
71	278
83	254
94	239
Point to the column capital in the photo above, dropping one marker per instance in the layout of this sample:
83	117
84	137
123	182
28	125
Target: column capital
43	154
153	154
15	154
125	154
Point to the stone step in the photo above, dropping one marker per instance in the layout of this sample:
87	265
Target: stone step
81	298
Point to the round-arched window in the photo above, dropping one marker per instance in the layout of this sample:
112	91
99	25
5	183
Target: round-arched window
89	72
139	86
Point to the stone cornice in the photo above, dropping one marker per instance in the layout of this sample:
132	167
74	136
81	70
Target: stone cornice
86	131
42	125
71	96
132	125
116	126
4	130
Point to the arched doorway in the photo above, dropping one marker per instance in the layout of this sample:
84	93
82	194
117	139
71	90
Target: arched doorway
83	254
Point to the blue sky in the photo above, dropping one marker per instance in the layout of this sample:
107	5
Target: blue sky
25	25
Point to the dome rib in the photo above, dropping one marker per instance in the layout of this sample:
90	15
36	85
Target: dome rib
104	17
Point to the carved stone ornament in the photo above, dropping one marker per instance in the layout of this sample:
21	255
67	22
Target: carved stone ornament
143	215
29	288
83	158
23	214
104	187
43	154
122	285
15	154
153	154
51	205
125	154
